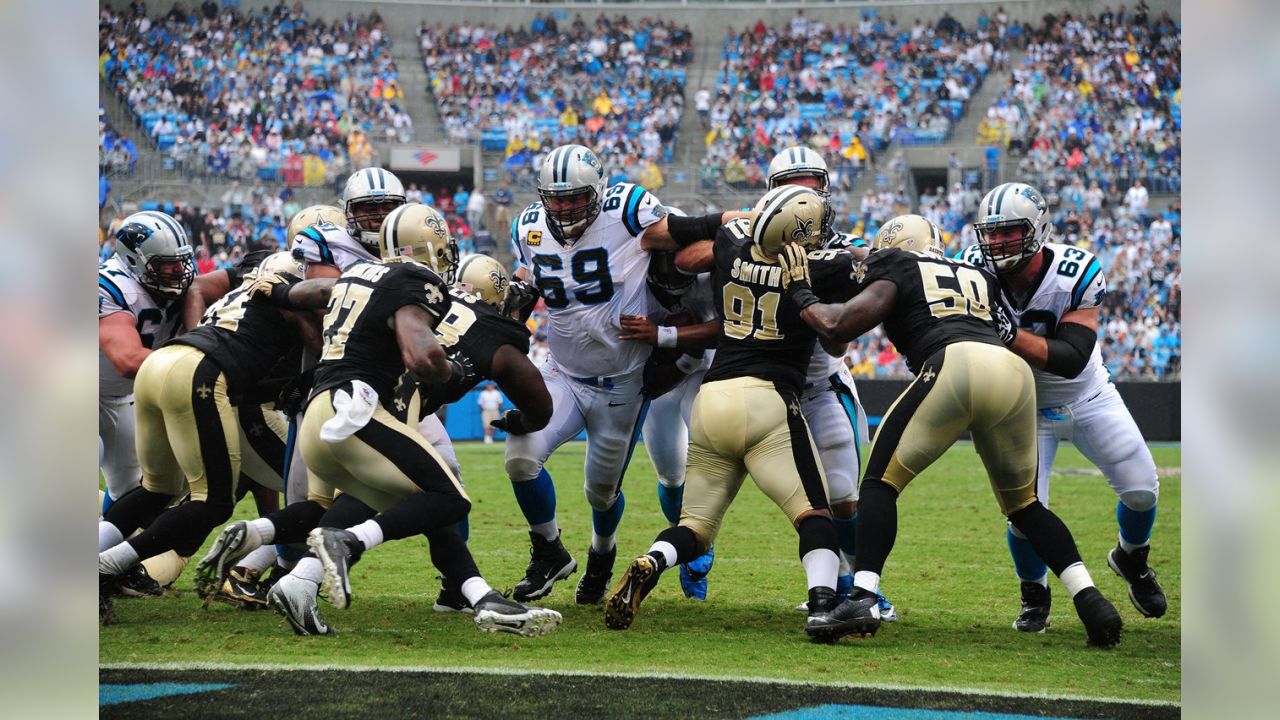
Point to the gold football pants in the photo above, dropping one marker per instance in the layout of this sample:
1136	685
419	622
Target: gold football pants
972	386
746	425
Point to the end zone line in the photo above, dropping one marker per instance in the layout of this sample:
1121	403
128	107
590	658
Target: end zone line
454	670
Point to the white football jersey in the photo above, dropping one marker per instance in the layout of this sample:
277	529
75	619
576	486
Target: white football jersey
119	291
328	244
588	284
1072	280
823	365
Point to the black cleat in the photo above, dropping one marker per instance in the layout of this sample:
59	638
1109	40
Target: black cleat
338	550
858	615
243	587
820	625
137	583
106	588
1036	600
595	581
1144	591
495	613
637	582
549	562
451	600
1101	619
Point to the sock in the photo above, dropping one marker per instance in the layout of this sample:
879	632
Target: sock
108	535
1026	563
117	560
664	550
288	555
464	528
1075	579
107	502
671	499
1048	535
450	555
820	568
309	568
293	522
259	559
1135	526
537	500
867	580
287	563
846	567
845	530
265	528
877	527
685	541
474	589
604	525
422	512
369	532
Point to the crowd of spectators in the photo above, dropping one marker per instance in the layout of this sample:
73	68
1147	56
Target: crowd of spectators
271	93
847	91
616	85
1098	99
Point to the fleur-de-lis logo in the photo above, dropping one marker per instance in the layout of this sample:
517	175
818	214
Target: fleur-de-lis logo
499	281
433	294
859	273
438	227
803	230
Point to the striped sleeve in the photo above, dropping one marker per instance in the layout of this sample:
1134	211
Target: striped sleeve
111	299
640	209
1090	288
517	248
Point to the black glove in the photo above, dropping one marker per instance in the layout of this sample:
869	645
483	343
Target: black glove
464	370
511	423
293	394
1004	325
521	297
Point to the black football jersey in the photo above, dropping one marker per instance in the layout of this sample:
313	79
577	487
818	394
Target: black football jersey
763	334
245	337
472	331
940	301
359	342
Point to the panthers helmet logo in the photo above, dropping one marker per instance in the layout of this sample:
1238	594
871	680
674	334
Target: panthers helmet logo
133	235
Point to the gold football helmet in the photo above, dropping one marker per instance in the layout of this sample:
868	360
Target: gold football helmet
316	215
485	278
285	264
787	214
912	233
419	232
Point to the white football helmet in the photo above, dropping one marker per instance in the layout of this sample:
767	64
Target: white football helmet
485	278
1013	206
315	215
155	249
369	195
571	184
419	232
795	162
913	233
788	214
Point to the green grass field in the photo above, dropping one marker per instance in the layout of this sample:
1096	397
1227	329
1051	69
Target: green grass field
950	576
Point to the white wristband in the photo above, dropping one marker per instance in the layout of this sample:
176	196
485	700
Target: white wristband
668	336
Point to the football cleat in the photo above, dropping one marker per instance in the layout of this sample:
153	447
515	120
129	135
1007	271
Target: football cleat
495	613
233	543
888	613
858	615
451	600
693	574
135	582
244	588
296	599
595	581
106	588
549	562
1036	601
337	550
637	582
820	626
1101	619
1144	591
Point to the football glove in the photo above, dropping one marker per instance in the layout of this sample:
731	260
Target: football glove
511	423
1005	328
464	370
795	265
521	297
273	288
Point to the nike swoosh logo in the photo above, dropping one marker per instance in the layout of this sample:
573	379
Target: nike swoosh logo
626	597
614	404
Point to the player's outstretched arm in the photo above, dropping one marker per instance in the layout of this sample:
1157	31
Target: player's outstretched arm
699	257
204	291
119	340
686	337
673	232
843	323
1066	353
421	353
521	381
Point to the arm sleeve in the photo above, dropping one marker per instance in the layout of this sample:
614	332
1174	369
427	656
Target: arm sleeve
111	298
1090	288
640	209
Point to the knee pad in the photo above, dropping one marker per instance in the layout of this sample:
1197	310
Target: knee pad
1140	500
522	469
670	482
600	497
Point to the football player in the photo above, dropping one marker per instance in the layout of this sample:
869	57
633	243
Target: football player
140	292
1053	291
829	399
584	248
942	315
187	395
379	325
746	418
